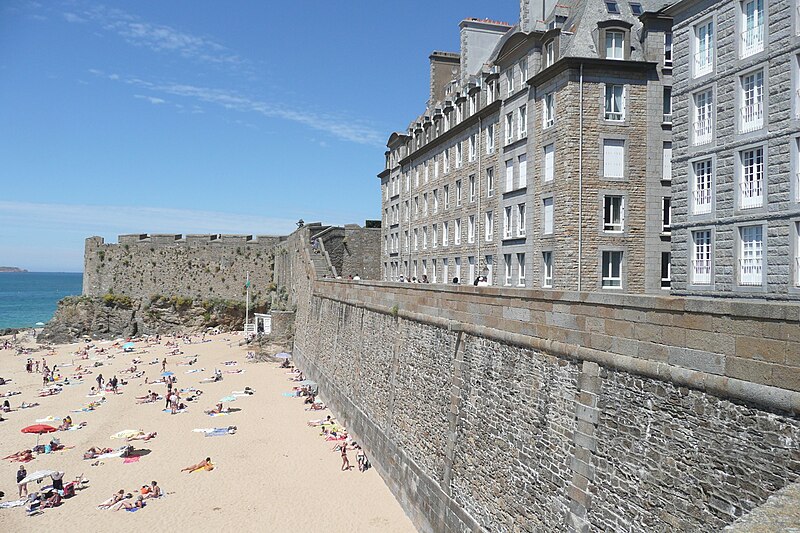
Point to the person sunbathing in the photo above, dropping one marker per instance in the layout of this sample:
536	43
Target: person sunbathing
155	491
216	410
52	501
65	424
94	451
137	504
22	456
205	463
115	498
142	436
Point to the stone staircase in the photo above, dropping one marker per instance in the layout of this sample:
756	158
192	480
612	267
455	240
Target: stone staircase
320	264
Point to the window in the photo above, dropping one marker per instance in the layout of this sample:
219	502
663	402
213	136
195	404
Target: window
704	48
796	155
510	80
666	270
509	127
425	237
408	183
507	223
549	53
459	113
547	220
446	197
445	233
427	167
459	155
458	193
473	103
458	268
797	254
435	200
522	162
406	211
523	72
471	263
520	220
416	240
521	270
473	146
752	27
490	92
471	229
489	182
488	226
701	257
613	214
612	7
490	139
509	175
667	105
703	116
472	193
489	260
702	187
433	271
406	241
752	102
435	167
416	177
549	162
549	114
612	269
522	121
666	214
507	265
425	204
613	158
751	183
446	161
547	269
457	234
445	270
636	8
614	44
615	102
666	161
435	235
750	255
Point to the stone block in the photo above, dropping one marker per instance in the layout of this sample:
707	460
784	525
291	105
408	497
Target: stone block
761	349
697	360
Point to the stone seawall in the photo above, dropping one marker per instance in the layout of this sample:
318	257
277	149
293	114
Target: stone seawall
488	409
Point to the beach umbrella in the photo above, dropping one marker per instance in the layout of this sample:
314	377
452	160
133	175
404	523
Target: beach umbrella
39	429
228	399
127	433
308	382
127	345
167	373
40	323
36	476
283	355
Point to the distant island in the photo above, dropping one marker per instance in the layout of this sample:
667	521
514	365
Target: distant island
12	269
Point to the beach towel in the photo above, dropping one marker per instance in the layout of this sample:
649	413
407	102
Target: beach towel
195	370
48	419
206	468
219	432
237	371
133	509
218	414
289	394
106	455
129	460
15	503
176	412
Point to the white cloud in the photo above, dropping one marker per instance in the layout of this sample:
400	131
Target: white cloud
72	17
110	220
151	99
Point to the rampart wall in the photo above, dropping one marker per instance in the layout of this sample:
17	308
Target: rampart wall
195	266
503	410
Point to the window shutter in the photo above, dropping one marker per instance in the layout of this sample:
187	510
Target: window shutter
613	158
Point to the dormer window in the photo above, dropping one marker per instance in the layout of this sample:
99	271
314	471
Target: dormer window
613	8
636	8
549	53
615	42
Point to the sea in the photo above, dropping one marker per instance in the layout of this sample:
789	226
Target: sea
30	298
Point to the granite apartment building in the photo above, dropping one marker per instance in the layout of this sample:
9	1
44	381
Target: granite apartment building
542	157
736	225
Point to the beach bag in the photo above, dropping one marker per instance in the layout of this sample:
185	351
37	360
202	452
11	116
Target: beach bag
69	490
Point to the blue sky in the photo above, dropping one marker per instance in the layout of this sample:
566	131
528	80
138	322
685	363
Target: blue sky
192	116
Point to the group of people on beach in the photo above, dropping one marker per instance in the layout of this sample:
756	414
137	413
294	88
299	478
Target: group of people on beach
125	500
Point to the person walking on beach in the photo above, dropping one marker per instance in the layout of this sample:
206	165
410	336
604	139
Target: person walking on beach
345	460
37	367
114	384
164	365
22	474
100	383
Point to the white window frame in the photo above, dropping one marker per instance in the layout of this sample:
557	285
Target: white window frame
703	186
509	175
522	170
471	229
473	195
520	269
548	110
614	102
488	226
522	121
612	260
753	28
751	255
507	269
507	228
548	215
509	127
751	93
703	112
473	146
613	213
752	177
489	182
666	161
521	220
445	233
666	214
549	162
702	255
457	234
547	269
458	193
615	44
490	139
611	147
704	46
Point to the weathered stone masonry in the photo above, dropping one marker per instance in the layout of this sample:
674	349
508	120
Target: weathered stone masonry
487	409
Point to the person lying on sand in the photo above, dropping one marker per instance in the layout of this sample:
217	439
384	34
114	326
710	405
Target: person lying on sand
65	424
115	498
137	504
142	436
205	463
216	410
22	456
94	451
25	405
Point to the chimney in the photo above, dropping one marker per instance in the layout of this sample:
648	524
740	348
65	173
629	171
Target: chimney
478	40
445	67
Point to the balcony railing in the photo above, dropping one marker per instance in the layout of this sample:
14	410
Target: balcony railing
703	62
750	271
751	194
703	130
702	201
752	117
752	41
701	271
611	115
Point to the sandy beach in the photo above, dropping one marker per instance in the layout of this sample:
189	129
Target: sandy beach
274	474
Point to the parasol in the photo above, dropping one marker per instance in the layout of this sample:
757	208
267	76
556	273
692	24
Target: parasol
39	429
167	373
36	476
228	399
283	355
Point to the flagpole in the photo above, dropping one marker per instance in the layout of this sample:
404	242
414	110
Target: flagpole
247	302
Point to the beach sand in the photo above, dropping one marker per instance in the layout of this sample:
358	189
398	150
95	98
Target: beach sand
275	474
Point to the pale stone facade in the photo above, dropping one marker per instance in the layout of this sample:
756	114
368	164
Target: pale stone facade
736	180
565	185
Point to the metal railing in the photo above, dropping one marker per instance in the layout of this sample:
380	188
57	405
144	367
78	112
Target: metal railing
752	40
702	201
703	131
701	271
752	117
703	62
750	271
751	194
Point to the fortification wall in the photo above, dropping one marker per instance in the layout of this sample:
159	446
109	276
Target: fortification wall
195	266
512	410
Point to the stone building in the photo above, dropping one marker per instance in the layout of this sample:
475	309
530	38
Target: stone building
736	172
540	161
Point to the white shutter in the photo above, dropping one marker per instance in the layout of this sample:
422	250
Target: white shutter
523	170
613	158
549	161
666	168
509	175
548	215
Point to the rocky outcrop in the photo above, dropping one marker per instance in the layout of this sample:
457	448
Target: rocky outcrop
114	316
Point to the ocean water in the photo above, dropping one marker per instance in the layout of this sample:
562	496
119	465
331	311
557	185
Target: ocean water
30	297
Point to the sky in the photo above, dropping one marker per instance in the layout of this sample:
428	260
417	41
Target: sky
200	116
